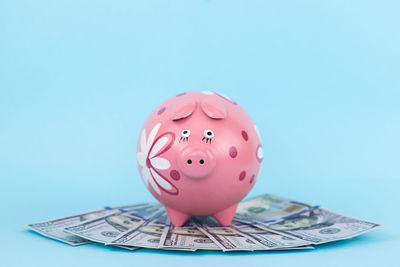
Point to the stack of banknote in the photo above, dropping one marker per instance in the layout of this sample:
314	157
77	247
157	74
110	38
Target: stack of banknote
266	222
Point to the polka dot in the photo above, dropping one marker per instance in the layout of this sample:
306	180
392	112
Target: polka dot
242	175
148	163
161	111
181	94
233	152
259	153
244	135
175	175
252	179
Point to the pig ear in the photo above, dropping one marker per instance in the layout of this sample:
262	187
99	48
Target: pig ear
213	108
182	110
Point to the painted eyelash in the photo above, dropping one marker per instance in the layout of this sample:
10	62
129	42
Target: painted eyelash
207	139
183	139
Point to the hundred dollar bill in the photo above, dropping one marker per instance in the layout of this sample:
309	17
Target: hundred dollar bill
269	239
136	206
55	228
107	228
227	238
295	248
187	236
146	236
126	247
322	226
266	209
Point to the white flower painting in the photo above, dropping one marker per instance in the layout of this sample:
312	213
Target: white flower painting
149	158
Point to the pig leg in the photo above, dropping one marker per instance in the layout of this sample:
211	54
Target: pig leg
225	217
177	218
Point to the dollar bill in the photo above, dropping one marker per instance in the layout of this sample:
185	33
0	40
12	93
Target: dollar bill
187	236
55	228
266	209
321	226
136	206
126	247
227	238
295	248
268	239
147	235
266	222
107	228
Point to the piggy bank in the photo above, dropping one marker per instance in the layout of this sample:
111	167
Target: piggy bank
199	154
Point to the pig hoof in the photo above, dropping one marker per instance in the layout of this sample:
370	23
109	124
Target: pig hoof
177	218
225	217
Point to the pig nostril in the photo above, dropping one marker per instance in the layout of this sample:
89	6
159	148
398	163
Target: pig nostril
194	162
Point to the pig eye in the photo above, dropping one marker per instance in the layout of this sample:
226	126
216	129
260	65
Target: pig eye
208	135
184	135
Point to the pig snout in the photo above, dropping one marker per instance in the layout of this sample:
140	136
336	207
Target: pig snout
196	162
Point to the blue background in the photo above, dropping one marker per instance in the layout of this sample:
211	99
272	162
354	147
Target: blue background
78	78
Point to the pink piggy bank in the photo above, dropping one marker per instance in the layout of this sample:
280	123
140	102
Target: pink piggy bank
199	154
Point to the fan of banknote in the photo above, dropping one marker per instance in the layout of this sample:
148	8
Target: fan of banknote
266	222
